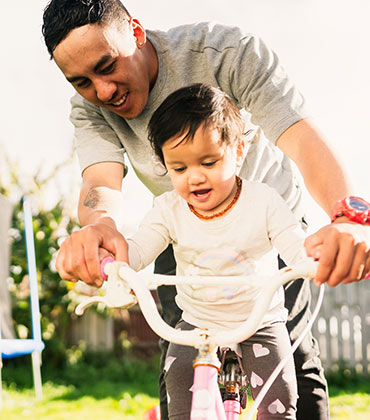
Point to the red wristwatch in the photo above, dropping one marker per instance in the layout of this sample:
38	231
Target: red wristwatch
355	208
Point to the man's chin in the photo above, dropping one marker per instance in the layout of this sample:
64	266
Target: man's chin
129	114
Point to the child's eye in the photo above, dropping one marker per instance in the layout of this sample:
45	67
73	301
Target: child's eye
208	164
182	169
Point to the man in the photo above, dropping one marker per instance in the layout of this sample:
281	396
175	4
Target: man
121	74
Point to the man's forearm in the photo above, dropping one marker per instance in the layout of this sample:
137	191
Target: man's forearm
100	204
324	177
322	173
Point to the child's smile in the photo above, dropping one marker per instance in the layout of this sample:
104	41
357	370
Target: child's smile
202	194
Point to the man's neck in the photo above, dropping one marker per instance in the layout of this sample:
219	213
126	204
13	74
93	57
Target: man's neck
152	62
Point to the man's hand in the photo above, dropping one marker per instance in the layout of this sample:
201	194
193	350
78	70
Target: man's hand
80	254
343	251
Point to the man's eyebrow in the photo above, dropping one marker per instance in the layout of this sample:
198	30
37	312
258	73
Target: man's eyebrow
97	66
74	79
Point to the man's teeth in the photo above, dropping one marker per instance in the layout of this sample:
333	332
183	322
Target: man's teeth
121	101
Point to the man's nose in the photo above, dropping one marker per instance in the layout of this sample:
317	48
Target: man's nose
105	90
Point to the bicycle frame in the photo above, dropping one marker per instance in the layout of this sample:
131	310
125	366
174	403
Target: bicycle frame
125	288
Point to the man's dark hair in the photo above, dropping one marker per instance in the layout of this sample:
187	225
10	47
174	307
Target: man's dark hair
62	16
191	107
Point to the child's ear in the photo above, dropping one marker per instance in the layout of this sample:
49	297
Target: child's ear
240	152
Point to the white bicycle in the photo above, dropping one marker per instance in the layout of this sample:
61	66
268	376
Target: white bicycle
125	288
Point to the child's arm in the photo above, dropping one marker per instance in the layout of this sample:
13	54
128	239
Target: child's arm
151	238
285	232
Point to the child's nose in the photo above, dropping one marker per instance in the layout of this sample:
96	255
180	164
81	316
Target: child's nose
196	176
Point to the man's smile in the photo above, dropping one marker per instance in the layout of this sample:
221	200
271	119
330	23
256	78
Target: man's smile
120	101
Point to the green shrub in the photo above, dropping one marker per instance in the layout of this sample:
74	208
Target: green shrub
50	226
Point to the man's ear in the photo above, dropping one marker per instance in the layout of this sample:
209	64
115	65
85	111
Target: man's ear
138	31
241	151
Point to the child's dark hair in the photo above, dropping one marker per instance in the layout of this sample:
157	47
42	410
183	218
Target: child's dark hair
62	16
188	108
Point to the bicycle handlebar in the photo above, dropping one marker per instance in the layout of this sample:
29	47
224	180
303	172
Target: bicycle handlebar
125	288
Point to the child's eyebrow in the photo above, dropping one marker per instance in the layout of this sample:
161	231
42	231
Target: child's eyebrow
203	157
174	162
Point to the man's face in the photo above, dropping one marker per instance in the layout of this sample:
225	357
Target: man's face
108	67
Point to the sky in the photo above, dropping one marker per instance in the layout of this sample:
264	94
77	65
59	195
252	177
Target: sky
323	45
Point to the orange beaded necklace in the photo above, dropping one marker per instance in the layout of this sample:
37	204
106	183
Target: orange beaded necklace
226	209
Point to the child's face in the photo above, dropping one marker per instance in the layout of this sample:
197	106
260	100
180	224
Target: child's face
202	170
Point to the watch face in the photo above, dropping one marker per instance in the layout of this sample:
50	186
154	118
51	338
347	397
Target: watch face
358	204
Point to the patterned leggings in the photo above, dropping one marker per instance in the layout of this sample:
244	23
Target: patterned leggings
260	355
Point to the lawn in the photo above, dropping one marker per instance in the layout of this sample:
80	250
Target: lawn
95	386
61	402
112	392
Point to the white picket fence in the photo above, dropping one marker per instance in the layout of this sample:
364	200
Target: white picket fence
343	327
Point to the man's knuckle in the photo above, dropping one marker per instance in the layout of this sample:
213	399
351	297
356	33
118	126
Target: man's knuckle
348	238
89	258
362	247
326	262
332	233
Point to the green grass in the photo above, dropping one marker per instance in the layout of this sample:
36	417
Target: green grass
100	387
90	386
349	396
61	402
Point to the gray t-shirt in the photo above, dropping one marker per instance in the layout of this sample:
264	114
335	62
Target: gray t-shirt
241	65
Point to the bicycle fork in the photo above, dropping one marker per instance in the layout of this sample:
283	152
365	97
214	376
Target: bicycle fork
232	378
208	403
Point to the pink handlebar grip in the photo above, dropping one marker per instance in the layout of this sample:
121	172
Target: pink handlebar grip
103	263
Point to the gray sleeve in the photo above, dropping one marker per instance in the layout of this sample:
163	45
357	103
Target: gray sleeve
260	85
94	139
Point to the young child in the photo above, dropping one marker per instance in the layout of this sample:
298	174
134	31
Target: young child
218	224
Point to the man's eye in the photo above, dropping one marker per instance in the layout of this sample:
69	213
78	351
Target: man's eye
108	69
209	164
83	84
182	169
